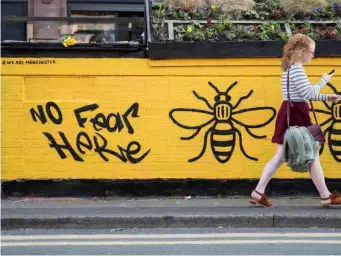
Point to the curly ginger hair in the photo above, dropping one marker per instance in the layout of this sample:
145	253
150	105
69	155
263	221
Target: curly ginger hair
294	49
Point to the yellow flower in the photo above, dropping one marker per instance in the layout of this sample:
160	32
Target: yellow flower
69	41
189	29
213	6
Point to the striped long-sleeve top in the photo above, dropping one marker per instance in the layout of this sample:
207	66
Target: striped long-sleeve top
300	89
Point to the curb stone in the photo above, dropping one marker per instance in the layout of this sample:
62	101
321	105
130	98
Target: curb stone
105	222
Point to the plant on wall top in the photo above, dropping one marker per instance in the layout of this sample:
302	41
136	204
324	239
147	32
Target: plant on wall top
302	6
265	10
222	11
233	8
185	5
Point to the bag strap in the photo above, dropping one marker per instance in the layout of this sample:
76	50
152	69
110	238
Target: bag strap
290	104
312	107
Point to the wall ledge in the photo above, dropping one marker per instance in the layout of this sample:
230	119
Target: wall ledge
164	50
57	50
233	49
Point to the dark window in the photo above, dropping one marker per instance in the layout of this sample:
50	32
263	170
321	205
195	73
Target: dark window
128	30
98	22
13	31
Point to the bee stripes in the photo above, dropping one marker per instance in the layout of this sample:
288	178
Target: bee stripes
336	131
335	141
223	134
222	141
333	129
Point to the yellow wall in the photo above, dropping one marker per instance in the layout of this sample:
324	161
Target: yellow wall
157	87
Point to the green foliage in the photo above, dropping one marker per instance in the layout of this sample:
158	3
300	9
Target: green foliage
264	10
269	31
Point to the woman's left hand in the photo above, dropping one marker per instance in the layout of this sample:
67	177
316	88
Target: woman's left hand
333	97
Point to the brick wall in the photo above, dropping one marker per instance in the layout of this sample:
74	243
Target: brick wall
124	118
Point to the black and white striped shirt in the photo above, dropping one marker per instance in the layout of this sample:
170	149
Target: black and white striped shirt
300	89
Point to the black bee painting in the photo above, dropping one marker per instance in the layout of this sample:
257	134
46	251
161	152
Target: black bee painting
332	130
220	120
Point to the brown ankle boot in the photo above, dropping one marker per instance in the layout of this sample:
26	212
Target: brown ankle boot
333	199
263	201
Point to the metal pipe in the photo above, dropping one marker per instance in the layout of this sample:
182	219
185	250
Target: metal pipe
121	20
148	20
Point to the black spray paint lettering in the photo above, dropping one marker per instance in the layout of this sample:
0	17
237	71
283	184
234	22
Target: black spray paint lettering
56	118
60	147
112	122
100	147
98	143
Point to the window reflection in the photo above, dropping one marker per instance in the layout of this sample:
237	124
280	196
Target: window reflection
93	32
86	26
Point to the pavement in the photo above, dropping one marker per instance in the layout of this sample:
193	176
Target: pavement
200	212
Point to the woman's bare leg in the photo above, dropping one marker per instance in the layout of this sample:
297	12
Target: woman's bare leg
316	174
268	172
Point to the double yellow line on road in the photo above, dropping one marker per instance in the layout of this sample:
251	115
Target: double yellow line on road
195	239
155	236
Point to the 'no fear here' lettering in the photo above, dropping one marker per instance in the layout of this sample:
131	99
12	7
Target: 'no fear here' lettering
113	122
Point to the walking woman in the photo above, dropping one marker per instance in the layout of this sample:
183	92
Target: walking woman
298	50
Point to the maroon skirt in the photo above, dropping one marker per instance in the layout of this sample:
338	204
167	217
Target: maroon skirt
299	115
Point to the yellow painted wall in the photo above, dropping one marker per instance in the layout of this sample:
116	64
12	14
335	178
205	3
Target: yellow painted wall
158	87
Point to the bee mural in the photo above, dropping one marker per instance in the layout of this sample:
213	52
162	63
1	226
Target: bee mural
333	126
221	120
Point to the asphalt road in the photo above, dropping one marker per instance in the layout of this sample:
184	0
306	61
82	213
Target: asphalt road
186	241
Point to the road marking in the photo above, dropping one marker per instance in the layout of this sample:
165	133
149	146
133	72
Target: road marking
199	242
132	236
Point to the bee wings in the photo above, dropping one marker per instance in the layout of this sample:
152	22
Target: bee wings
254	117
324	115
188	118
